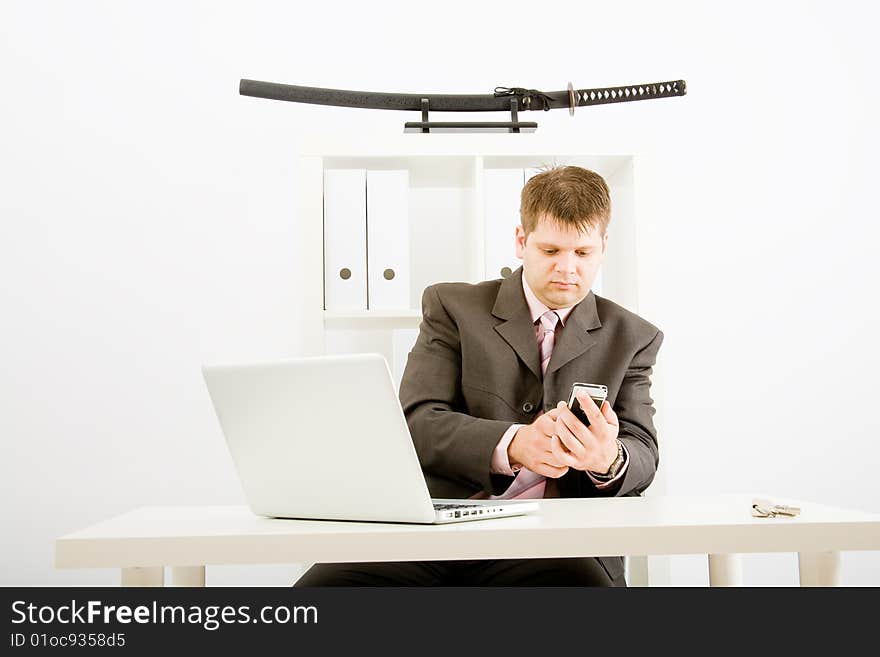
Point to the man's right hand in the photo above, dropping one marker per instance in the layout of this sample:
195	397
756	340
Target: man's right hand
530	447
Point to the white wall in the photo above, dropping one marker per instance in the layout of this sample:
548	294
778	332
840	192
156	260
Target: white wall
145	228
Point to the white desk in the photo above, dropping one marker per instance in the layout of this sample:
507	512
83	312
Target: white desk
187	539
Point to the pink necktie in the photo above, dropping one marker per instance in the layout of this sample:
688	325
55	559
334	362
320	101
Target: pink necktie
529	485
546	336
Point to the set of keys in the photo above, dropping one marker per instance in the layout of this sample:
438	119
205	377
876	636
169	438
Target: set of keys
766	509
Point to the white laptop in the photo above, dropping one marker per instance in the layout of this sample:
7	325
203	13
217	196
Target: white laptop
325	438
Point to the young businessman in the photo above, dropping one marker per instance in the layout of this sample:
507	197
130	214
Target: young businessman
485	386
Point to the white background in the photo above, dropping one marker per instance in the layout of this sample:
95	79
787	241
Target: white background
146	227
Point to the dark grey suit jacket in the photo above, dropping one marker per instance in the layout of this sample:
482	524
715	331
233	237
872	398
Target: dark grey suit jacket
475	370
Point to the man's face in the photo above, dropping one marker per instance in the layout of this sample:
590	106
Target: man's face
560	263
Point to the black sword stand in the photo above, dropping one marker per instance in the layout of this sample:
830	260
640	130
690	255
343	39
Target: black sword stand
514	125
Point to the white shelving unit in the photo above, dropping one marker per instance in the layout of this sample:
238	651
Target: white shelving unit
446	222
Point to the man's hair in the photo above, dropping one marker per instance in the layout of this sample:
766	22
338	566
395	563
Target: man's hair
571	196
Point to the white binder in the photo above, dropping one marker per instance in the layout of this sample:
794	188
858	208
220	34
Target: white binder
345	239
597	284
388	264
501	196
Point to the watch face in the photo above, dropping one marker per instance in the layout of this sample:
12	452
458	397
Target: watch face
618	462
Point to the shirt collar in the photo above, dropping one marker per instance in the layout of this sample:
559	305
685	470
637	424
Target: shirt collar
537	307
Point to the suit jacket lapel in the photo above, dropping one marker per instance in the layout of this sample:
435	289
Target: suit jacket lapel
519	332
517	329
574	339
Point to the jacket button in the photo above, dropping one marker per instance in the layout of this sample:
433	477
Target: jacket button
528	407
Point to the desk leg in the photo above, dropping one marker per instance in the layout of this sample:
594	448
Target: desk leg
819	568
188	576
152	576
637	571
725	570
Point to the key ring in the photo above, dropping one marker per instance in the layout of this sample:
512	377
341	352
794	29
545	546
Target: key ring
766	509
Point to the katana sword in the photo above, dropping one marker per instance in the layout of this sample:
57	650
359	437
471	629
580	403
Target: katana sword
499	101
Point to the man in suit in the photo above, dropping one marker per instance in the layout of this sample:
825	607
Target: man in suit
486	383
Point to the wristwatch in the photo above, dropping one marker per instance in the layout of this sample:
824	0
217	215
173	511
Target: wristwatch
616	464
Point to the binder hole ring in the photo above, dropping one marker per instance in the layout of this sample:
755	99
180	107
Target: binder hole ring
345	273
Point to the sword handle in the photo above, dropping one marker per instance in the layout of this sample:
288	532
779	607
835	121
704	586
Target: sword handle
630	92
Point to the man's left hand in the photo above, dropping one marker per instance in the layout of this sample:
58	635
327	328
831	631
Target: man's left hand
581	447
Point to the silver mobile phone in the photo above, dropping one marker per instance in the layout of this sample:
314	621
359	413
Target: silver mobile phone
597	392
